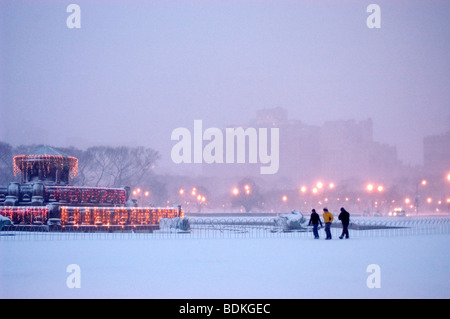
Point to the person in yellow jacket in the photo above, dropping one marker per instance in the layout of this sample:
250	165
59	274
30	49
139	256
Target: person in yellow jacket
328	219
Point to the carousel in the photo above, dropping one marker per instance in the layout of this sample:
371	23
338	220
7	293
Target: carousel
44	198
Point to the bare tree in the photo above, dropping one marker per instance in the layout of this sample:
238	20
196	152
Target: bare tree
6	163
99	165
118	166
122	163
144	163
247	195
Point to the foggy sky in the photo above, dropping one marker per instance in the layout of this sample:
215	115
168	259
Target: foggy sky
136	70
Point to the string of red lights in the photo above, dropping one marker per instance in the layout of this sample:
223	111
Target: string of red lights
93	195
26	214
44	163
107	216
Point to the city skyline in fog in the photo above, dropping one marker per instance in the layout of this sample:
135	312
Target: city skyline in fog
136	71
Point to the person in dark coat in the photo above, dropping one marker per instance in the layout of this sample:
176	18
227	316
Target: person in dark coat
344	217
315	220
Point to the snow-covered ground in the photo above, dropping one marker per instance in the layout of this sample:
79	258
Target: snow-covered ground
413	266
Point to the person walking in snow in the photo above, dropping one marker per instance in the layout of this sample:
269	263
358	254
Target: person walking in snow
315	220
328	219
344	217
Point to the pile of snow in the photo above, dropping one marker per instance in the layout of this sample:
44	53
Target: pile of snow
177	223
293	221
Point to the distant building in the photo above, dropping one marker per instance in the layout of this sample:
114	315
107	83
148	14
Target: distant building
348	151
437	154
341	150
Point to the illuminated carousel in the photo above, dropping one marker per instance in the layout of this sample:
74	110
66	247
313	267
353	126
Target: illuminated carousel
45	199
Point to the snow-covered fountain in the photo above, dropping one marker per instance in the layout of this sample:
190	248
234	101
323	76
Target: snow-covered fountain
44	198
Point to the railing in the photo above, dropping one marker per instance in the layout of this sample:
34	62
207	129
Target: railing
230	227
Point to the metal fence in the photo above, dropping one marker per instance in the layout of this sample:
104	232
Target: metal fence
236	227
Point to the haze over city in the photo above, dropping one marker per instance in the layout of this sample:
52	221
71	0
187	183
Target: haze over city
250	150
135	71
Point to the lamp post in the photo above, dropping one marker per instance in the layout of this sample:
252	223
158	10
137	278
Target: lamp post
141	196
423	182
448	197
371	188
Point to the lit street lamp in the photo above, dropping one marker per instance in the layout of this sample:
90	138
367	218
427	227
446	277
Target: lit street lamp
423	182
372	188
141	196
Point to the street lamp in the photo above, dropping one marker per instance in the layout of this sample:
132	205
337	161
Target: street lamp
423	182
140	195
370	188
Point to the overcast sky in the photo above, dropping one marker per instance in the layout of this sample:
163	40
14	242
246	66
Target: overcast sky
136	70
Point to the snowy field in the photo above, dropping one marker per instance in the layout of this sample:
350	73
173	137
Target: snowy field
416	265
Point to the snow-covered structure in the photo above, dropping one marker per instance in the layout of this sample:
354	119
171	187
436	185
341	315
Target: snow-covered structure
44	193
293	221
5	221
180	224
